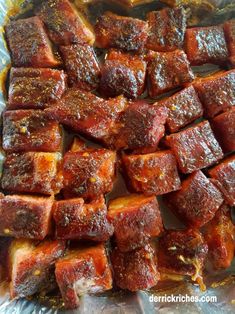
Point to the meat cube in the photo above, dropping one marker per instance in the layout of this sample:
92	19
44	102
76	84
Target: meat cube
83	271
76	220
64	23
123	73
167	29
136	218
142	126
223	176
32	172
206	45
216	92
29	45
31	267
198	200
88	174
121	32
81	65
25	216
88	114
168	70
183	108
220	237
229	30
35	88
183	252
154	173
224	129
136	270
195	148
30	130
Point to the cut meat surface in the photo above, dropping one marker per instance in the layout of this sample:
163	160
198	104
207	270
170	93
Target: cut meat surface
29	44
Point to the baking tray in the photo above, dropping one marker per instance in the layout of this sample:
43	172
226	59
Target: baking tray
122	302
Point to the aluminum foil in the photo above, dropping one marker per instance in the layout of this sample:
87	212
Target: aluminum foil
221	285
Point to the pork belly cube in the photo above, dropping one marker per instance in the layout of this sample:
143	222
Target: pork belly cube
83	271
168	70
135	270
216	92
183	108
32	172
88	174
197	201
223	176
182	252
154	173
220	237
167	29
142	126
136	218
29	44
206	45
64	23
25	217
35	88
229	30
123	73
76	220
30	130
88	114
224	129
81	65
121	32
195	148
31	267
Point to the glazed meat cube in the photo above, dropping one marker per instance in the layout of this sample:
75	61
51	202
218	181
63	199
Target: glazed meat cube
35	88
81	65
206	45
136	270
198	200
30	130
220	237
168	70
88	174
182	252
123	73
32	172
142	126
31	267
154	173
83	271
167	29
183	108
223	176
195	148
76	220
64	23
25	216
136	218
29	45
217	92
229	30
121	32
88	114
224	129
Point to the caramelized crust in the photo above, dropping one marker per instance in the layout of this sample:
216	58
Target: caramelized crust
121	32
136	218
64	23
229	30
197	201
29	45
25	216
83	271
